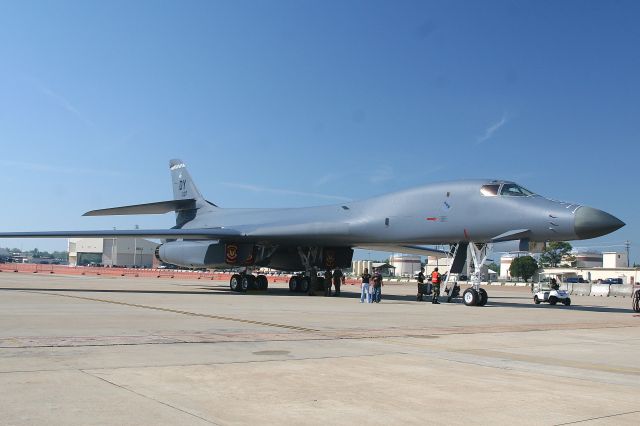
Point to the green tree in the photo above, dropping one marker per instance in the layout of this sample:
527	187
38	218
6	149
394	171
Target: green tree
523	267
494	267
556	253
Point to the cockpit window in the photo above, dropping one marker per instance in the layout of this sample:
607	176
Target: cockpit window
513	190
489	190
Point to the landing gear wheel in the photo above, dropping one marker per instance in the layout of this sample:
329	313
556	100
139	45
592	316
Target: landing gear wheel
304	284
553	300
470	297
235	282
536	300
483	297
567	302
293	284
248	283
262	282
636	301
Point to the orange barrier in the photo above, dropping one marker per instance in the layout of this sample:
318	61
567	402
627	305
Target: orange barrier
134	272
124	272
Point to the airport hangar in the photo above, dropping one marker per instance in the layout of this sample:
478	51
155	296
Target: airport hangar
128	252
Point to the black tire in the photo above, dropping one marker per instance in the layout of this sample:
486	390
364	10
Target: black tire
247	283
262	283
536	300
293	284
636	301
304	284
470	297
567	302
234	282
553	300
483	297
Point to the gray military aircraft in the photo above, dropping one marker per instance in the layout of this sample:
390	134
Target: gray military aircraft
468	215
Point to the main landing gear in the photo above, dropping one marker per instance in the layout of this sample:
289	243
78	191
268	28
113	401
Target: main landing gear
243	282
309	282
476	296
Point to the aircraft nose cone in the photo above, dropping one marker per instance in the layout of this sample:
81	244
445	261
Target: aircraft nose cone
591	223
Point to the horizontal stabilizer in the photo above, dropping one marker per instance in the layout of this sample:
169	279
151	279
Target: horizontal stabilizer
516	234
197	234
405	249
149	208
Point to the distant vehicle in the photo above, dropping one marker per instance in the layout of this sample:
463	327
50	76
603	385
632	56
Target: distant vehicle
551	296
575	280
613	281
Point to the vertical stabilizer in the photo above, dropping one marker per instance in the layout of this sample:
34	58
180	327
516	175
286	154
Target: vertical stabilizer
183	189
183	186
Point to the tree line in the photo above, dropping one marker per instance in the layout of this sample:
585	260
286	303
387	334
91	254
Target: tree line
556	253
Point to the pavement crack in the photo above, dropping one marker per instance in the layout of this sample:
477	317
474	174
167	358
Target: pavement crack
597	418
180	312
150	398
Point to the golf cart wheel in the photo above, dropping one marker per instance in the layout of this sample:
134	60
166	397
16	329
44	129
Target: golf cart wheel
536	300
293	283
636	301
553	300
483	297
567	302
234	282
470	297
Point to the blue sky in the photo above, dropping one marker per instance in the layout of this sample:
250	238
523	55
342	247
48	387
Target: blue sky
293	103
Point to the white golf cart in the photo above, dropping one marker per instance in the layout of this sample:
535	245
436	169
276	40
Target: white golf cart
549	292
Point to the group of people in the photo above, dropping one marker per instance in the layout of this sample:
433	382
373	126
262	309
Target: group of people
371	287
336	277
436	278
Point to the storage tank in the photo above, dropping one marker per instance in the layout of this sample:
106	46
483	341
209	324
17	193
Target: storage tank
406	265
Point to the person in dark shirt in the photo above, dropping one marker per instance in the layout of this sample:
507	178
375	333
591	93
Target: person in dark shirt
328	276
338	278
420	285
364	287
377	287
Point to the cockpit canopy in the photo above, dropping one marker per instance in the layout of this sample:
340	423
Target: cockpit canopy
507	189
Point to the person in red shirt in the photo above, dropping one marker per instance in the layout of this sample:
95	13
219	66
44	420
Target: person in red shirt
435	280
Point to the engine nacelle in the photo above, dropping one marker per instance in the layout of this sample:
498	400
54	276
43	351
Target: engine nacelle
201	254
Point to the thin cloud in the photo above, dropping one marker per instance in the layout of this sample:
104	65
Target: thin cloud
329	177
263	189
492	129
53	168
64	103
381	174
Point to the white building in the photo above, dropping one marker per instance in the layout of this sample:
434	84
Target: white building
613	259
111	251
588	259
405	265
358	267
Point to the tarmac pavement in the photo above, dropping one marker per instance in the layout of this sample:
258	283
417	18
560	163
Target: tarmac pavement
79	350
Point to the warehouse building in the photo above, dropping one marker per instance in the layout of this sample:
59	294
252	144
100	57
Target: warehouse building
128	252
